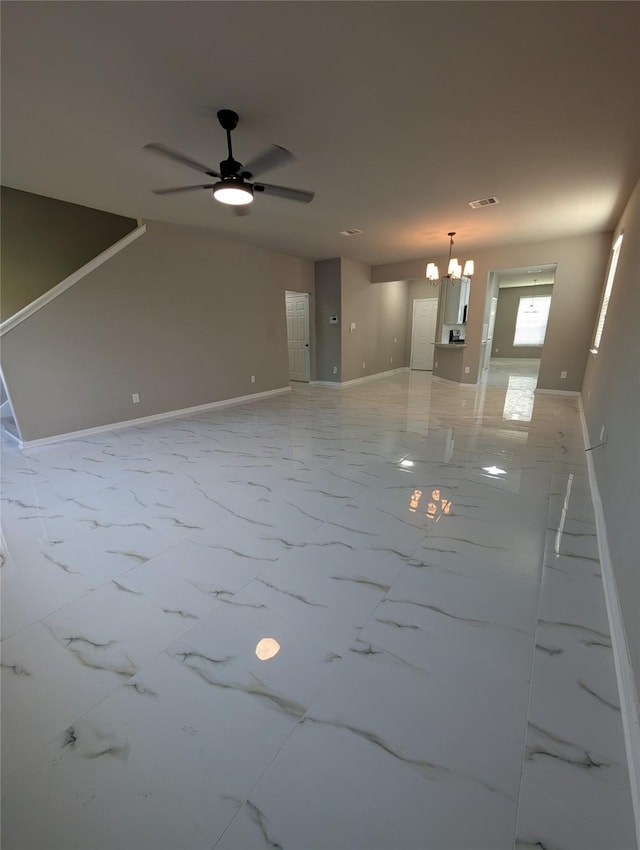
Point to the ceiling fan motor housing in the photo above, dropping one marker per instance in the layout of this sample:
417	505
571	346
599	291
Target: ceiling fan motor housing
229	168
228	119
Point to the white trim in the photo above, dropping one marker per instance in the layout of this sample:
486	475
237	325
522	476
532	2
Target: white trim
68	282
15	437
338	385
557	392
12	436
627	691
157	417
13	413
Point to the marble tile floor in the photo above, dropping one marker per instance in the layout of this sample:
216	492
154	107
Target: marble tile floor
423	558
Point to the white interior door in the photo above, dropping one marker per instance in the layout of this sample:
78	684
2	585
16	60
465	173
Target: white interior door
423	337
297	305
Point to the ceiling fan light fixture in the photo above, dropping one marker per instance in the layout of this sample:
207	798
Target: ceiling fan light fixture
233	193
236	186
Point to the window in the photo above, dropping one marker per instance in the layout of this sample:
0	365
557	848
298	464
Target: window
615	254
531	322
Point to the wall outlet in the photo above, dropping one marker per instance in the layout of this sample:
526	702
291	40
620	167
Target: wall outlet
391	360
253	379
363	364
563	374
435	364
352	326
135	398
335	370
466	370
395	339
496	350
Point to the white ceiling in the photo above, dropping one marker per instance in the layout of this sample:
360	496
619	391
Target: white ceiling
399	113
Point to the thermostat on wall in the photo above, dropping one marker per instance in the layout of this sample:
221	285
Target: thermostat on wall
333	320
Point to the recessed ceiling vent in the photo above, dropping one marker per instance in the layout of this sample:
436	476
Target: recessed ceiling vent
483	202
353	231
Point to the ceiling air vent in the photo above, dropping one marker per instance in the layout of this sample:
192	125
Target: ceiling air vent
483	202
353	231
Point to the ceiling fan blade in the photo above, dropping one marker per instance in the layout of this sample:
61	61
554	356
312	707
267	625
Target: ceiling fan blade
177	189
163	150
272	157
285	192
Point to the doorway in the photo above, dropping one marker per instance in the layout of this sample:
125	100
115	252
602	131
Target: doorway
298	336
423	334
517	312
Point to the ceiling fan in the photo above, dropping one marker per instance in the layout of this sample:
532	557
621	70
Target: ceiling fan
235	184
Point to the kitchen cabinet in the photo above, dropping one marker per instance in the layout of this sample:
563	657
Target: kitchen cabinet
456	301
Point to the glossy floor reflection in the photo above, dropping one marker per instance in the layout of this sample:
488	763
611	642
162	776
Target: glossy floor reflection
359	618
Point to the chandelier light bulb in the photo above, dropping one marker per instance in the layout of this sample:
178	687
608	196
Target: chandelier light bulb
432	272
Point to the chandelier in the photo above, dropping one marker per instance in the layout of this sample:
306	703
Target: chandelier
454	269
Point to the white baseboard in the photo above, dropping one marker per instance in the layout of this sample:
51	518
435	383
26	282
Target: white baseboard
338	385
557	392
629	706
157	417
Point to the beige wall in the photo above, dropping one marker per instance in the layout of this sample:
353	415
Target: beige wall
45	240
379	314
611	398
580	268
506	315
449	362
178	316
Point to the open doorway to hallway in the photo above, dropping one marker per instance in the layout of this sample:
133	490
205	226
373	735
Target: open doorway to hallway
517	312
